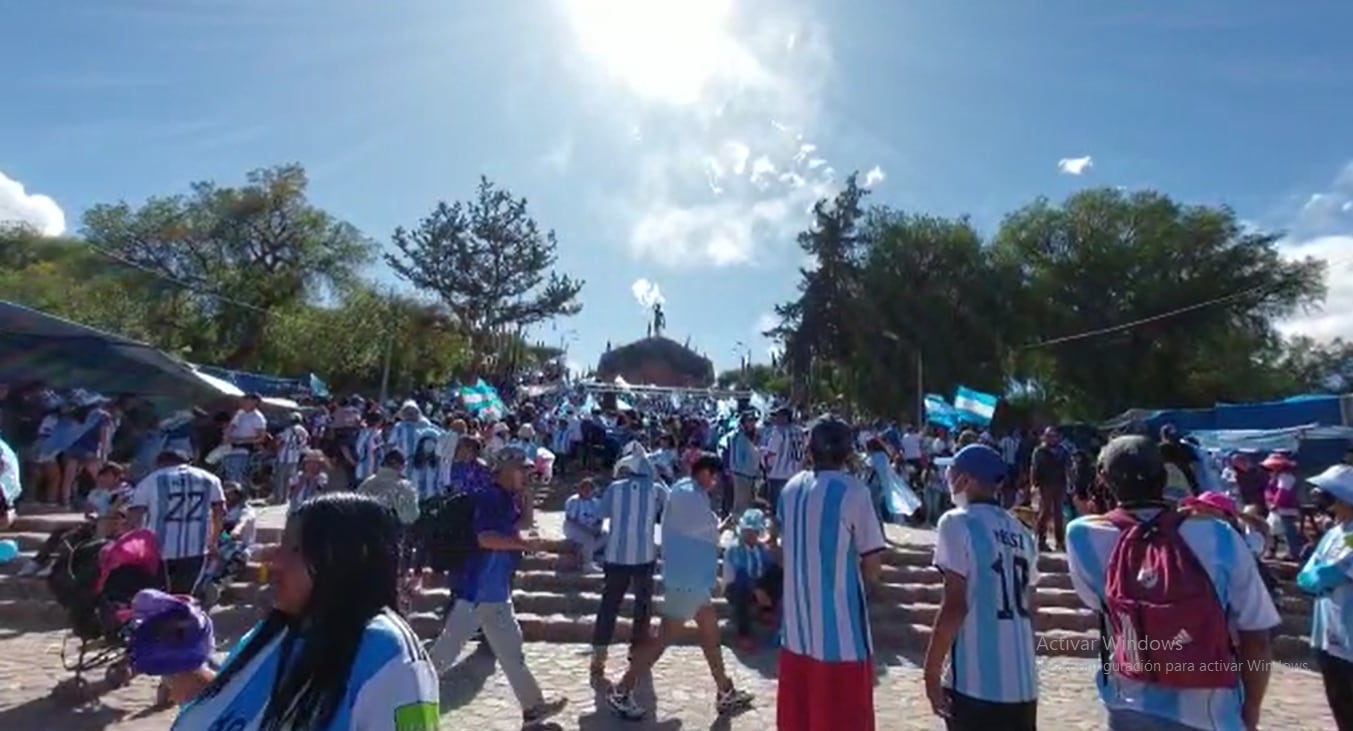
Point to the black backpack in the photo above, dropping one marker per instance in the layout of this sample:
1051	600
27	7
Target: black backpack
445	531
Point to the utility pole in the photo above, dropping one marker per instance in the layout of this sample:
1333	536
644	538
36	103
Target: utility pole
920	390
389	351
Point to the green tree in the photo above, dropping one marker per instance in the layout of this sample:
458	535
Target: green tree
1104	258
933	299
820	330
228	258
489	262
759	377
1317	367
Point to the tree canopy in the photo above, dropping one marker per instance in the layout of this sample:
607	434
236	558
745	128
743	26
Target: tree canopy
1107	301
256	277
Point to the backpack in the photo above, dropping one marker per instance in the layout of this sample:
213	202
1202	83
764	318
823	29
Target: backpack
445	533
1168	628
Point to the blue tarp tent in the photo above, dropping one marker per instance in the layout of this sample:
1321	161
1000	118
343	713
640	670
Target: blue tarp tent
257	382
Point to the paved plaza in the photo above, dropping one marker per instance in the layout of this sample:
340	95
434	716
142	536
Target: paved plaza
475	696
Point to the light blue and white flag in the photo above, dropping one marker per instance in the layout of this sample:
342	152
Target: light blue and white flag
939	413
482	400
11	482
975	406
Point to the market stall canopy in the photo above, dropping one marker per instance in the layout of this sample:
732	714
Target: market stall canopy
35	346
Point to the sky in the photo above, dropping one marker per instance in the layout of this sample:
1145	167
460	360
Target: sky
675	147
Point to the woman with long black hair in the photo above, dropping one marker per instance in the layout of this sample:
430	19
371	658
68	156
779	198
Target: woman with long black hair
333	655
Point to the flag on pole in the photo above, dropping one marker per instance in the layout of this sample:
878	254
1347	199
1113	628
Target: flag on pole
482	400
939	412
975	406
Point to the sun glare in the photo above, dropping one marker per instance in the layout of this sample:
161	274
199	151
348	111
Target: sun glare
666	50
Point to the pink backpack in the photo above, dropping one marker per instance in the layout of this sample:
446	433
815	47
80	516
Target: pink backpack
1168	627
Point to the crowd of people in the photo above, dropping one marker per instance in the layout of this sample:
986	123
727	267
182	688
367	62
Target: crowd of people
784	518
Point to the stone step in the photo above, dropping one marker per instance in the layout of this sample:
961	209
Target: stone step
889	637
543	594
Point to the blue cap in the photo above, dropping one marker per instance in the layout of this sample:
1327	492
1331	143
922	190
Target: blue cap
980	462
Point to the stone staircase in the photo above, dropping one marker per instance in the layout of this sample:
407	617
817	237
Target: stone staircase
559	606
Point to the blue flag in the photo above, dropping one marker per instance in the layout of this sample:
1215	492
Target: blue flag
974	406
939	413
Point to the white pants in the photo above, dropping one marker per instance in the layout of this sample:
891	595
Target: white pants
502	633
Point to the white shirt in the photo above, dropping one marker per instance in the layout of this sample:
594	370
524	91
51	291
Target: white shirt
246	425
178	501
911	445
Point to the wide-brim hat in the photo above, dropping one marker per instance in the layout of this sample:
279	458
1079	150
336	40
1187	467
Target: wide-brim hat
1277	461
1337	482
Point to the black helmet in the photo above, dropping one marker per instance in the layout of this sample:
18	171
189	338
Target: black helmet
830	441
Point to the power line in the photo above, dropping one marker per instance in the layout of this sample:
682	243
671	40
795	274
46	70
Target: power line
1331	264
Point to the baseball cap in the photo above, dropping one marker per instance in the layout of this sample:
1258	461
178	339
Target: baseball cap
752	519
1337	482
981	463
1131	459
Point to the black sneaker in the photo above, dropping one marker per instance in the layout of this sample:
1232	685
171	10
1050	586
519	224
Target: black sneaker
732	699
624	706
547	708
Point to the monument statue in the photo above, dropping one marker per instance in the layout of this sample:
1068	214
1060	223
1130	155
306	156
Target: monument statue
659	320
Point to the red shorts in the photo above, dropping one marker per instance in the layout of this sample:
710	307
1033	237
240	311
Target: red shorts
814	695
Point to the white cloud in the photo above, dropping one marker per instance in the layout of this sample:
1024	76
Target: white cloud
1323	228
559	157
727	164
874	177
646	293
31	209
1075	165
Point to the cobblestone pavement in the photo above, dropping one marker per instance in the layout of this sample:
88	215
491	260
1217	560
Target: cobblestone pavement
476	696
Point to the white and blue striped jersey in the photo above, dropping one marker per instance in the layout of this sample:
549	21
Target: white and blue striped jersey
294	440
368	451
631	507
178	501
403	438
1235	576
993	657
745	564
1332	616
744	459
827	524
426	480
391	686
785	447
585	511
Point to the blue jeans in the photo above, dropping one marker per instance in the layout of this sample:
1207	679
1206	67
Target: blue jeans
1292	536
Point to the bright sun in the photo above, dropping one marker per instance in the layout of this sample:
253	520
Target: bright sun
666	50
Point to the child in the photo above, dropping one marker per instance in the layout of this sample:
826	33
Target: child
582	525
751	578
104	504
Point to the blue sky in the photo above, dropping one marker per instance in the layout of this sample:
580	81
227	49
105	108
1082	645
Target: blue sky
681	142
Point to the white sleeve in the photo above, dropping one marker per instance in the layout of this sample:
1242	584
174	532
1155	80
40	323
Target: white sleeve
864	524
216	492
402	696
143	495
952	554
1080	537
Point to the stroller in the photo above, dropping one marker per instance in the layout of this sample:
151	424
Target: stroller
94	581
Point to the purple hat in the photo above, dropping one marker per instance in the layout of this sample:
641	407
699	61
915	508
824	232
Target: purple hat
170	634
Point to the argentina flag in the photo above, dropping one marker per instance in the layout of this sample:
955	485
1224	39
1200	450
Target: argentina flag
482	400
975	406
939	412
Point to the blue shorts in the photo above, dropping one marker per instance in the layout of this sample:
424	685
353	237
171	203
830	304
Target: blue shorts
683	604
